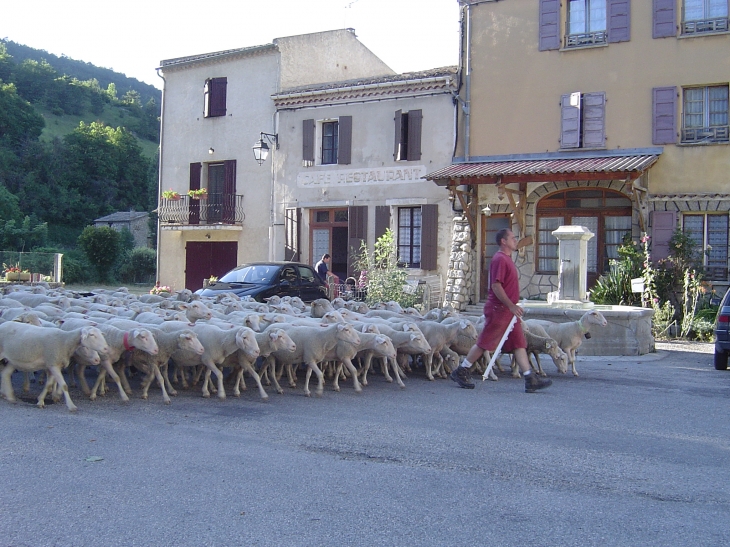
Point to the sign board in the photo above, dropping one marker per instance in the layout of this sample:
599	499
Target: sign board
637	284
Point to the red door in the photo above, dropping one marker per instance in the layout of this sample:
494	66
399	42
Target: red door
206	258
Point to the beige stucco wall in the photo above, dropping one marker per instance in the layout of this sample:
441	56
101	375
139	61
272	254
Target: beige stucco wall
336	56
372	148
516	89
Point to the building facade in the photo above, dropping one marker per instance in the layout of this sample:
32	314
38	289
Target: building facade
610	114
351	164
215	107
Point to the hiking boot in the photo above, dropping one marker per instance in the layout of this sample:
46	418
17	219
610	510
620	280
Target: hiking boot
533	382
461	376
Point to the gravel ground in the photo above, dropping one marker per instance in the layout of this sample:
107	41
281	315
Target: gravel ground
685	345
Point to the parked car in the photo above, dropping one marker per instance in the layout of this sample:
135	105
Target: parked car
261	280
722	333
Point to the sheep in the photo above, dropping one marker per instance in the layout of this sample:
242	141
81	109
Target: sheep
30	348
312	345
269	341
538	342
405	343
439	335
320	306
569	336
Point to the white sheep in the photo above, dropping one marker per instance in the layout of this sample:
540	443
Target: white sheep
569	336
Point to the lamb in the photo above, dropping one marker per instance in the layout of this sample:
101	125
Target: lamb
440	335
30	348
538	342
569	336
405	343
320	307
312	345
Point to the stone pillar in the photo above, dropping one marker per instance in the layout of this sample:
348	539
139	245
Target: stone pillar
461	274
573	262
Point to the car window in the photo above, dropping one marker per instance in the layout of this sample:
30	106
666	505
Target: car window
250	274
307	274
289	274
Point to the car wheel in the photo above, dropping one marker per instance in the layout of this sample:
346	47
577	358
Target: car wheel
720	360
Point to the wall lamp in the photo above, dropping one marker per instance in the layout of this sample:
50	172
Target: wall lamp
211	151
261	149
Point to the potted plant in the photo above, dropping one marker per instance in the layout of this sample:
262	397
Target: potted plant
171	195
12	273
201	193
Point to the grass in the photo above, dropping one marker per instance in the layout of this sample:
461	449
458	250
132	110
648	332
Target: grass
133	289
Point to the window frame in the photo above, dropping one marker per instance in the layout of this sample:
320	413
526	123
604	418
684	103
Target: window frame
707	133
335	138
708	23
587	37
713	272
415	233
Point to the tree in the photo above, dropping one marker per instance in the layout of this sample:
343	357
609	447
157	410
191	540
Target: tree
19	121
101	247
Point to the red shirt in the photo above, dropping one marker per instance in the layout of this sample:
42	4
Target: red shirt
503	270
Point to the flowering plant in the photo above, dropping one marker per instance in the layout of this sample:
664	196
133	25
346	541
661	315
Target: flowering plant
11	268
197	194
170	194
212	279
160	289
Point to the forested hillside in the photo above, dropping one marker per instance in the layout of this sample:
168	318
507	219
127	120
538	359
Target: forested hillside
58	173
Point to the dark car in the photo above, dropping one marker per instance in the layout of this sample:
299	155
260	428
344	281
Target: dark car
722	333
261	280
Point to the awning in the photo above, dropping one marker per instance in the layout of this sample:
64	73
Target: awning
544	170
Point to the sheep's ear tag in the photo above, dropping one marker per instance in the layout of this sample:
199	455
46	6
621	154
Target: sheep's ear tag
587	335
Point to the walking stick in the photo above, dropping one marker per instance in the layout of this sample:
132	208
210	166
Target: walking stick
495	355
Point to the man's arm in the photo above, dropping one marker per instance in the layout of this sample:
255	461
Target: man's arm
502	296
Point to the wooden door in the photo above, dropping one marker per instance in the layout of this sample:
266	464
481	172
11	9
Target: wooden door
206	258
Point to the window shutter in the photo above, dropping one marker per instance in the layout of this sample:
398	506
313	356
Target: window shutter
619	20
357	233
229	192
194	205
382	220
308	140
664	18
344	147
549	25
664	115
594	120
429	236
663	224
415	118
218	102
292	223
569	124
398	134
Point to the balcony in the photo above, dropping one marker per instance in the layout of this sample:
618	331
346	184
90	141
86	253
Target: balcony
586	39
701	135
719	24
218	209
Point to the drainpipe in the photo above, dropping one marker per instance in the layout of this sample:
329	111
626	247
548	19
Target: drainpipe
159	167
467	77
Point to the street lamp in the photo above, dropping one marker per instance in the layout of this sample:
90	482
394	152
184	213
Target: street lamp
261	149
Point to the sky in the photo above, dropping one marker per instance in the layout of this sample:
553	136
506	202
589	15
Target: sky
133	36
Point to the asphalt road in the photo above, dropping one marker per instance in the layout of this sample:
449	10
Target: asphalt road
633	452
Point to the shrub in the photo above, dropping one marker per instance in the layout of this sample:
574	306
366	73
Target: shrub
138	266
101	246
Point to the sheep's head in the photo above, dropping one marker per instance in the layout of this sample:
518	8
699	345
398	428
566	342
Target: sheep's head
92	338
560	358
246	341
346	333
338	303
187	340
418	344
143	339
320	307
252	321
593	317
372	329
280	341
383	347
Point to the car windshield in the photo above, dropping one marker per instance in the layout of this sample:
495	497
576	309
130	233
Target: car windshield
259	274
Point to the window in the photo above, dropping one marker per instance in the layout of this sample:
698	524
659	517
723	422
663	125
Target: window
702	16
215	97
583	120
407	135
709	231
330	140
409	236
586	23
705	116
604	212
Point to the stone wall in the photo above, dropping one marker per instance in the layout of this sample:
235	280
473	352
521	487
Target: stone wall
461	276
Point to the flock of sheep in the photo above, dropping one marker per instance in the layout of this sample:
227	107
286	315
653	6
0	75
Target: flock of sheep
185	337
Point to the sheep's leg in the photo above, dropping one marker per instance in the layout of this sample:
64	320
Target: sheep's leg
99	380
57	375
351	368
80	371
163	369
536	355
123	377
571	354
256	378
270	363
291	376
336	381
196	376
514	367
386	373
107	368
211	367
396	372
365	367
238	382
6	386
41	401
26	381
147	382
312	367
428	361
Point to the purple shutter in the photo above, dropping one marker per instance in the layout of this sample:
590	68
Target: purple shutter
549	25
429	236
194	204
344	145
382	220
569	124
594	120
663	224
308	140
218	103
229	192
619	20
664	115
664	18
398	134
415	118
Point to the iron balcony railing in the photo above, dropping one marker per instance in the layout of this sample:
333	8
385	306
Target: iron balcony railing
215	209
586	39
719	24
706	134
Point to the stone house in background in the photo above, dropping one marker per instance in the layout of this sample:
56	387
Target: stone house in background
134	221
351	163
610	114
215	107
